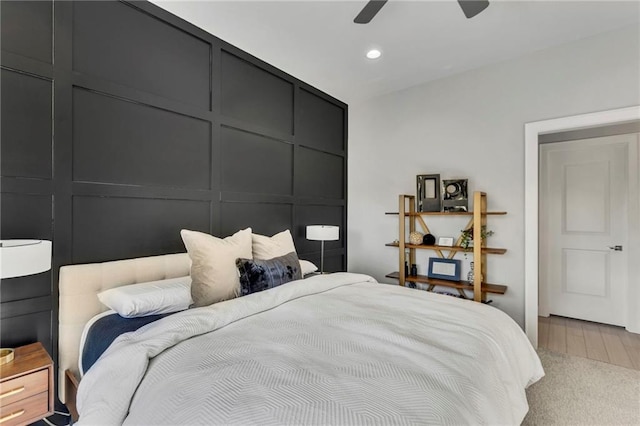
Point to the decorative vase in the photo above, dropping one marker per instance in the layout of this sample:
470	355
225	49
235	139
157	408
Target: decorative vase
470	274
414	269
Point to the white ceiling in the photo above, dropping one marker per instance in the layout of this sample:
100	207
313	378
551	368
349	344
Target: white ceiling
317	41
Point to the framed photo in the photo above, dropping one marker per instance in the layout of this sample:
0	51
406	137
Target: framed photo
428	191
445	241
455	197
444	269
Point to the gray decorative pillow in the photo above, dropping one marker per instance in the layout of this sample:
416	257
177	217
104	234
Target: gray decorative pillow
258	275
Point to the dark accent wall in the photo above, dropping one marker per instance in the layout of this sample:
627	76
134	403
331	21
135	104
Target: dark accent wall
122	124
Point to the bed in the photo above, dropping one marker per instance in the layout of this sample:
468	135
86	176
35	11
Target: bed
329	349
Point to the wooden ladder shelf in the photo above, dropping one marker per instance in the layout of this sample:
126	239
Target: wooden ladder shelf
478	220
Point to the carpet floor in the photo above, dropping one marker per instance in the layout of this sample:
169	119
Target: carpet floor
580	391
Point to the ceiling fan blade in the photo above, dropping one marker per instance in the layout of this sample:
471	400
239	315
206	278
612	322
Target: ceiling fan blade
369	11
472	7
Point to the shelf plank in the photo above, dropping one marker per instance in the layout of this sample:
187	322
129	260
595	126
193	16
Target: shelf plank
444	213
489	250
486	287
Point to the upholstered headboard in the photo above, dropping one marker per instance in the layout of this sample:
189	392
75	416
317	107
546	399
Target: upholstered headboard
79	286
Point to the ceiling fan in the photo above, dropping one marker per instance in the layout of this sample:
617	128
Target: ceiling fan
470	8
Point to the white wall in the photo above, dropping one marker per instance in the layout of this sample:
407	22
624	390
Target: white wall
471	125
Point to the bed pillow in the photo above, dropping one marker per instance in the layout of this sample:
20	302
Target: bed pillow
258	275
280	244
213	264
264	247
307	267
150	298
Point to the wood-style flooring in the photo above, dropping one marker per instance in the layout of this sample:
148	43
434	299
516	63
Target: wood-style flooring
586	339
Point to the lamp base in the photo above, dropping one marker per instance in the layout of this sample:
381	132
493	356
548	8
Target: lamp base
6	355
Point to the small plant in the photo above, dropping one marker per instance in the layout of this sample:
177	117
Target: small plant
467	236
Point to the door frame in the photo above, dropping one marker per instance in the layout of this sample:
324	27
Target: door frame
531	214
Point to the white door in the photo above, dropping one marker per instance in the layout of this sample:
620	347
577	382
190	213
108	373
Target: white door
584	227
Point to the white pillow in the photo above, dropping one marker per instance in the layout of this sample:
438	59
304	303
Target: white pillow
150	298
265	248
307	267
213	264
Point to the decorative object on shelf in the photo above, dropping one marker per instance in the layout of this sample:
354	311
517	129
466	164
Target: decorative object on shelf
446	293
428	190
19	258
445	241
428	240
323	233
470	273
414	269
454	195
415	238
406	268
444	269
24	257
466	239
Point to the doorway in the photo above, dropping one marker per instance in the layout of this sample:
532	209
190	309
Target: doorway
532	133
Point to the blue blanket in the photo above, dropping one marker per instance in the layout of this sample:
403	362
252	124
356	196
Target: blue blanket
105	330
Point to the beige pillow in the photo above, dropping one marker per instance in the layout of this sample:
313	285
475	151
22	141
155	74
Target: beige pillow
265	248
214	276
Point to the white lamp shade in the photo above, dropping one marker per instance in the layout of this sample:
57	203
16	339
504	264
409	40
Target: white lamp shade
24	257
323	232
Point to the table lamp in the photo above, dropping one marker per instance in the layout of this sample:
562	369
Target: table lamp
323	233
19	258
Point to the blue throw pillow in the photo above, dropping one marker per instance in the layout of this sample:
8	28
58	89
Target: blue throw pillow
258	275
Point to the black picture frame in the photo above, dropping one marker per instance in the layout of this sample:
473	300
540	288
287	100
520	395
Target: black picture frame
444	269
428	192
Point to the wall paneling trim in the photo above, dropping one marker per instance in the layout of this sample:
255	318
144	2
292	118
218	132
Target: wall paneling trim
122	124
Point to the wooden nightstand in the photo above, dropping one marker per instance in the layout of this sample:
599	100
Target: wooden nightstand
26	386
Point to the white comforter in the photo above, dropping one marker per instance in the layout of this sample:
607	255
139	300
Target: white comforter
335	349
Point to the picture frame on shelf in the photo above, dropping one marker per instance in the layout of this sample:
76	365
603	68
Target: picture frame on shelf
445	241
455	196
444	269
428	193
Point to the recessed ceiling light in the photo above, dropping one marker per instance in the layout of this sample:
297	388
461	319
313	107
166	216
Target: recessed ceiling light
374	54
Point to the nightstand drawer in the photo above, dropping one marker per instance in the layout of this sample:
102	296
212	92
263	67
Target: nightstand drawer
25	411
23	387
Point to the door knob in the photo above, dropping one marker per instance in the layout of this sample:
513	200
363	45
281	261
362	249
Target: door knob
616	248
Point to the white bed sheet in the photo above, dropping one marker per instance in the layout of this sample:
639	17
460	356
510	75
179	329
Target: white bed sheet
331	349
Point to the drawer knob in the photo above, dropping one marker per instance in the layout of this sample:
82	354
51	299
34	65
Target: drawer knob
11	416
11	392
